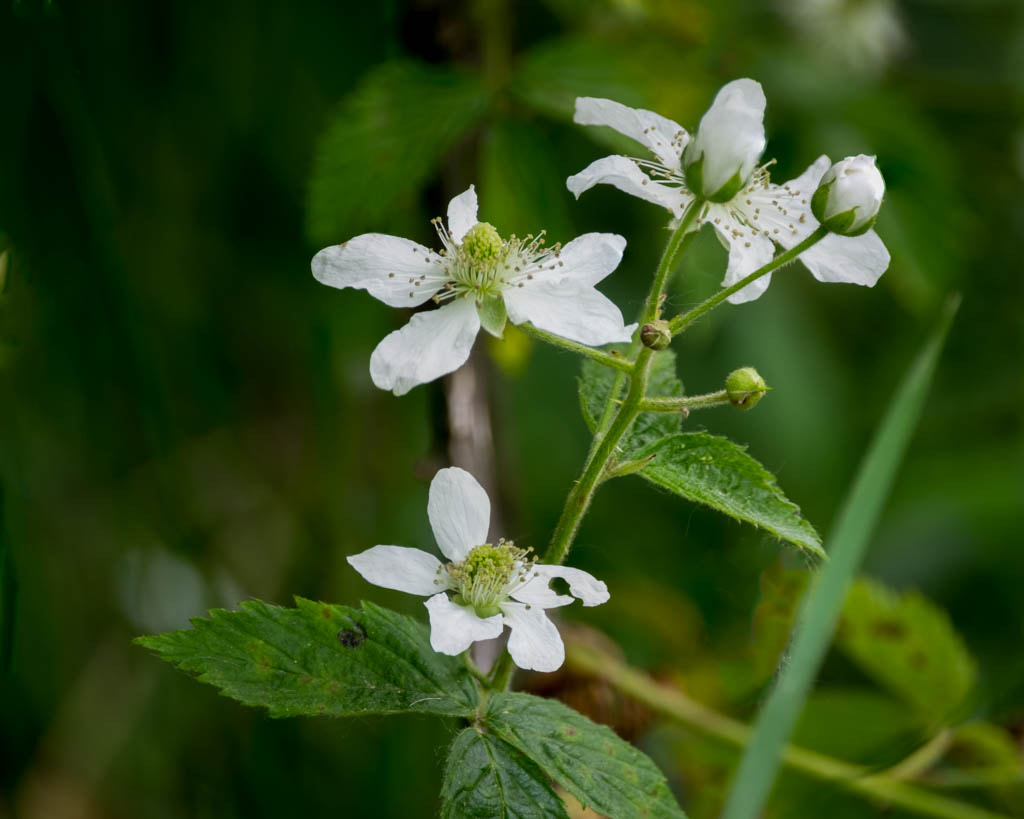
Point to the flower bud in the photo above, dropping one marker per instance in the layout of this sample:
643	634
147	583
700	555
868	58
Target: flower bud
849	196
745	388
730	139
656	335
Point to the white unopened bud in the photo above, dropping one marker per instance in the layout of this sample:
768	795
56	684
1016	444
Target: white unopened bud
729	142
849	196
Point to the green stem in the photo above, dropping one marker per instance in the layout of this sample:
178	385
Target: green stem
685	403
684	320
613	425
673	703
615	360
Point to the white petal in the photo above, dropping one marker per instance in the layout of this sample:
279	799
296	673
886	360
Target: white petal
730	136
400	568
454	628
534	643
396	271
591	257
432	344
665	138
583	585
537	592
850	259
459	512
568	309
749	249
624	174
462	213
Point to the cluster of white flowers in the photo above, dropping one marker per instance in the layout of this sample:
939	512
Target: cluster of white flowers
479	279
750	214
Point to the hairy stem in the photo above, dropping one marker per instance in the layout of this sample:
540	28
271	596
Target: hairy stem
684	320
685	403
674	704
615	360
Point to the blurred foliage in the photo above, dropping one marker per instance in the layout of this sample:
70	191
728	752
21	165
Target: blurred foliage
190	421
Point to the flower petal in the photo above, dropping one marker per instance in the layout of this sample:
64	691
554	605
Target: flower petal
534	643
624	174
432	344
462	213
400	568
591	257
454	628
459	512
850	259
396	271
665	138
568	309
749	249
582	585
730	136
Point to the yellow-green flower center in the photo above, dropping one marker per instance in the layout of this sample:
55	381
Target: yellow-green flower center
482	243
485	577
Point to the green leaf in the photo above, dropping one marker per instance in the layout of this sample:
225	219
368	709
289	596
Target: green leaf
601	770
596	383
486	777
320	659
385	143
909	646
820	610
716	472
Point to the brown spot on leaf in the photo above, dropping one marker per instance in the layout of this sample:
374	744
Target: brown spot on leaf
889	628
326	613
918	660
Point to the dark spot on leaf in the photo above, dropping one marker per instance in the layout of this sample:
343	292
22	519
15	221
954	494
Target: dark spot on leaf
321	708
889	628
570	731
306	680
918	659
333	687
352	637
327	614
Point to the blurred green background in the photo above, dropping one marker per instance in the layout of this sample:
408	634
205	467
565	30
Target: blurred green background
189	419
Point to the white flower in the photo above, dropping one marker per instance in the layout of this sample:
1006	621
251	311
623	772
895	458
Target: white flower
756	216
492	586
479	279
849	195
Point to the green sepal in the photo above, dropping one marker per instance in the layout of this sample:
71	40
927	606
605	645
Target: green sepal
319	659
493	315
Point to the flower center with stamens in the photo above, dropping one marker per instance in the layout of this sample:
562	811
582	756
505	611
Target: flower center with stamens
482	243
485	577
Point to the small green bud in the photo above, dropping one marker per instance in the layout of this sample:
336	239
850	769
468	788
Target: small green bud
482	243
745	388
656	335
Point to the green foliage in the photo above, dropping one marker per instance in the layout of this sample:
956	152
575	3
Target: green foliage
716	472
320	659
601	770
909	646
597	382
486	777
385	143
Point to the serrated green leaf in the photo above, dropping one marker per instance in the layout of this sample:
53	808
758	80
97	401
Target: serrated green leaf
320	659
596	382
385	142
908	645
714	471
601	770
486	778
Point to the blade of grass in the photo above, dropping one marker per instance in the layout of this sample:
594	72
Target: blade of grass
819	611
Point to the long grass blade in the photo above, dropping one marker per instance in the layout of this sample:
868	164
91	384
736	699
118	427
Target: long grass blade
821	606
